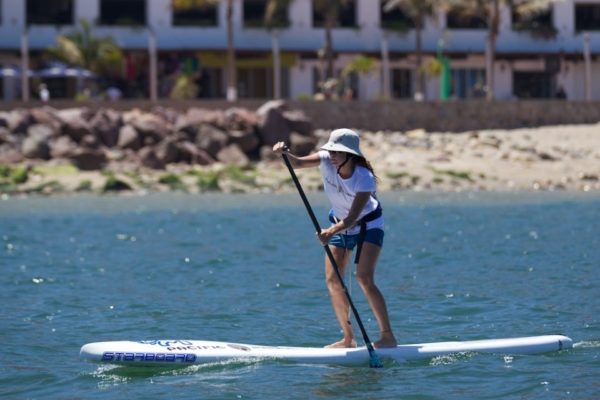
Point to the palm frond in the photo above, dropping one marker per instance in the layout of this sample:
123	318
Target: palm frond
531	7
68	51
273	11
361	65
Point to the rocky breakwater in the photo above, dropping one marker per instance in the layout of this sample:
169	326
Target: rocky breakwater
45	150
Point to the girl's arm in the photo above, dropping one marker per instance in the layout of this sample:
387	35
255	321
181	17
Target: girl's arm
311	160
358	204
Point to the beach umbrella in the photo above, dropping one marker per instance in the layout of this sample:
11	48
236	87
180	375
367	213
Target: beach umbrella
77	72
59	70
13	72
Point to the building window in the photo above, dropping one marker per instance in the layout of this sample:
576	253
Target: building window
402	83
123	12
460	19
49	12
395	19
211	83
346	16
467	83
257	83
196	15
533	85
538	24
255	12
587	17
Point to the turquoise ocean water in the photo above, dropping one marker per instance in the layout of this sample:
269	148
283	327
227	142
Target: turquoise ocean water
247	268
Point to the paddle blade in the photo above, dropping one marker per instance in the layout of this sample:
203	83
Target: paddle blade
374	361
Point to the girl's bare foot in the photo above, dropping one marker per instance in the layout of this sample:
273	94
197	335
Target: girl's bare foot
387	340
342	344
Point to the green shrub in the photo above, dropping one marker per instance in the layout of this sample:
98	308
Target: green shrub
455	174
172	180
48	188
14	175
84	186
114	184
396	175
4	171
208	182
19	175
239	174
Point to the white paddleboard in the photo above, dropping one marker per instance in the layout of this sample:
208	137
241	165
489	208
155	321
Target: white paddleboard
189	352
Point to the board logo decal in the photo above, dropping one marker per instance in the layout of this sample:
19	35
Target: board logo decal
118	356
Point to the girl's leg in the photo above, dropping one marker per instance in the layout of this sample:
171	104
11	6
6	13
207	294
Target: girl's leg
365	274
340	304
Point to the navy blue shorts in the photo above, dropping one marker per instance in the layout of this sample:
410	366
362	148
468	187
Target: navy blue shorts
374	236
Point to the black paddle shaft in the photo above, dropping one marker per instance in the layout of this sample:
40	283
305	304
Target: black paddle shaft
374	358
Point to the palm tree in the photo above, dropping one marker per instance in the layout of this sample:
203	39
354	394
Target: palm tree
416	11
361	65
273	19
25	64
80	48
489	10
330	9
231	72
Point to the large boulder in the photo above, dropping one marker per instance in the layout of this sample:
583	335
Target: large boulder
106	124
196	117
46	116
35	144
88	159
148	158
44	132
232	154
246	139
211	139
129	138
239	119
6	137
299	122
90	142
152	128
167	151
36	147
280	105
62	147
302	145
75	122
273	127
9	154
17	121
190	153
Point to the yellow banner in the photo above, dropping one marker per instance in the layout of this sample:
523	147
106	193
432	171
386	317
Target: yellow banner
213	59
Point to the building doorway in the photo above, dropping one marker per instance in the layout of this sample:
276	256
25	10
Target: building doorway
534	85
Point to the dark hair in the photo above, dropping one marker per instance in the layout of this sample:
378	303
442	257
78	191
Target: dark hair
358	160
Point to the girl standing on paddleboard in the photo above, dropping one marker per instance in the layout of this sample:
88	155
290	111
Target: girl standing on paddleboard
357	221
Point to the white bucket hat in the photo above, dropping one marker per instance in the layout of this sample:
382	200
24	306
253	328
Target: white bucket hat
345	140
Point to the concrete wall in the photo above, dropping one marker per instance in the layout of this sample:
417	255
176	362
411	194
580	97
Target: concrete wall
393	115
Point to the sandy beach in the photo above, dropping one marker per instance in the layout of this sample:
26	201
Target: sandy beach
534	159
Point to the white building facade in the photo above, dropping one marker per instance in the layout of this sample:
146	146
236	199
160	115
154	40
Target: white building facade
527	65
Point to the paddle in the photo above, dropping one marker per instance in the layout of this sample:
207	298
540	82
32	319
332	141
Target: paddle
374	361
